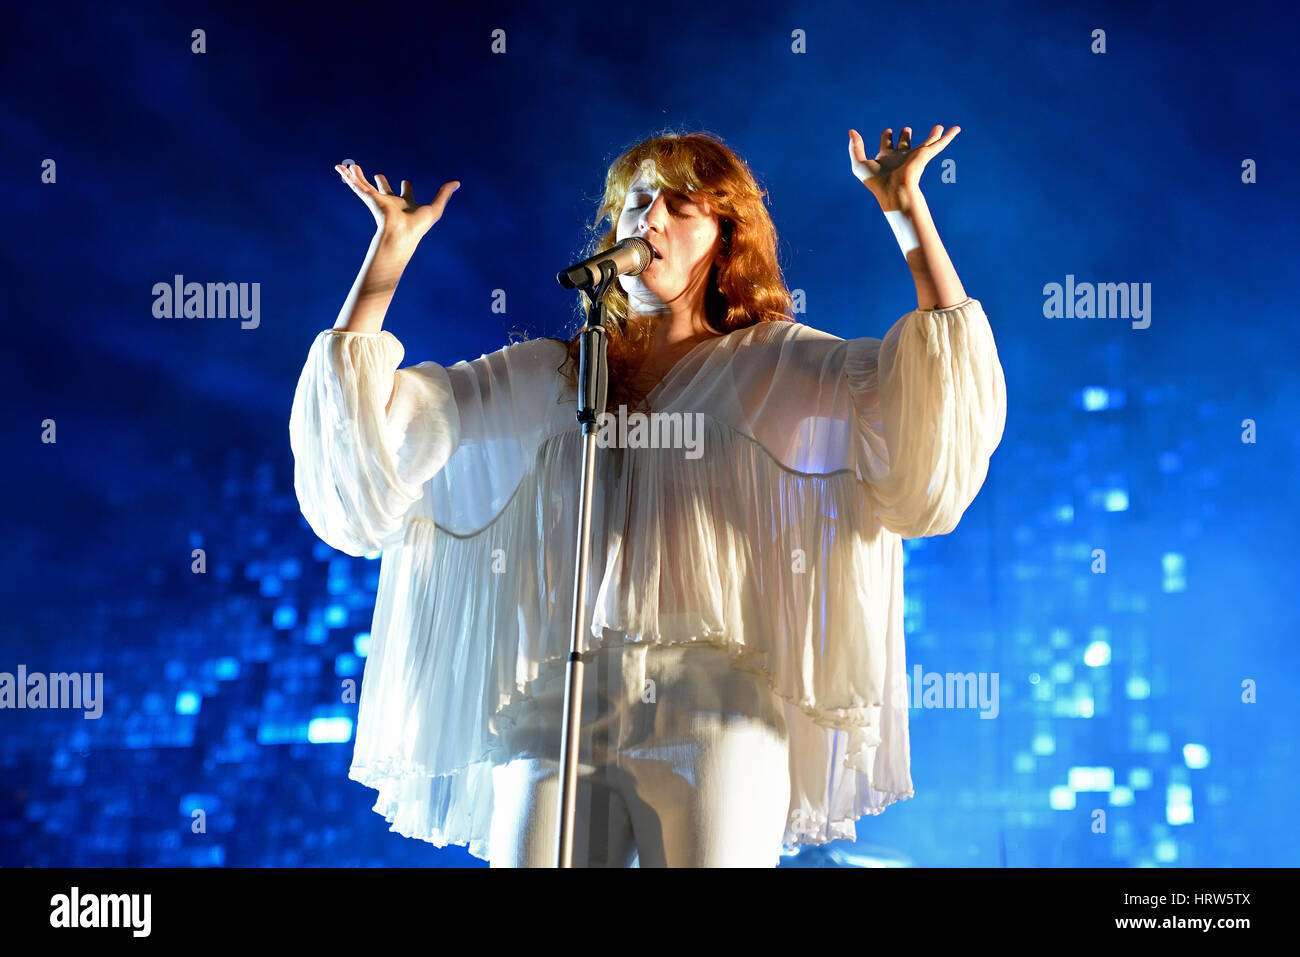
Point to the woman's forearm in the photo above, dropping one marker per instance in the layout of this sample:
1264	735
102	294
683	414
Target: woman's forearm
367	303
937	284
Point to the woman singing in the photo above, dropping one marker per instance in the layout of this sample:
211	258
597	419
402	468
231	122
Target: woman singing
745	689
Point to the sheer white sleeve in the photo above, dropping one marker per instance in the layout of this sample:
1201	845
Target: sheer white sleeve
508	401
369	438
915	416
930	406
361	460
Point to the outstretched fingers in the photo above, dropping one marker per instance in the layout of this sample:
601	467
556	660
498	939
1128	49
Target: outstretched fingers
858	148
444	193
940	141
351	176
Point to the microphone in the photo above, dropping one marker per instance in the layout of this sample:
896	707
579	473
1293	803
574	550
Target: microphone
630	258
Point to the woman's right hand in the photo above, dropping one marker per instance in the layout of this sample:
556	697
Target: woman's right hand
399	218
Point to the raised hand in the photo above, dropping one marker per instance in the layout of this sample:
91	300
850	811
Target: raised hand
399	217
893	171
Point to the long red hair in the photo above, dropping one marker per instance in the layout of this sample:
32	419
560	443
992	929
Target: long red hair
747	288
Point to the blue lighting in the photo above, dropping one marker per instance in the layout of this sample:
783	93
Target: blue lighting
1095	398
208	803
329	730
214	856
1137	688
281	732
1091	779
1196	756
1061	798
1097	654
1174	566
1178	804
187	702
286	616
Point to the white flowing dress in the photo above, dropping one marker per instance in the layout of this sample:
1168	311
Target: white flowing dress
781	542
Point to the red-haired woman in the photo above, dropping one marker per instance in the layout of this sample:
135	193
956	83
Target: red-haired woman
745	689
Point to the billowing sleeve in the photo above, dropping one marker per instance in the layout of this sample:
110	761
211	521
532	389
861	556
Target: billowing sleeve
370	439
509	402
929	406
359	460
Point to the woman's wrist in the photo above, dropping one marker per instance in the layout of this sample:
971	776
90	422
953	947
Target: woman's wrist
901	207
392	248
904	198
937	284
372	292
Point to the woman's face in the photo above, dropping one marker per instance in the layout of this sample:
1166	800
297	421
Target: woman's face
683	231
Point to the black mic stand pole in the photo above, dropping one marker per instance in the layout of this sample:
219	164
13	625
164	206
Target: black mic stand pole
593	372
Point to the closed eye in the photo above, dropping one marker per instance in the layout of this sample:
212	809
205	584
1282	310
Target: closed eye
671	209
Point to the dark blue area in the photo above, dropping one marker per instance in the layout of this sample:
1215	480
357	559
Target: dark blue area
222	690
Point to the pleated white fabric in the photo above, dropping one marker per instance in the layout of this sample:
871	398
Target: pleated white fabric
781	542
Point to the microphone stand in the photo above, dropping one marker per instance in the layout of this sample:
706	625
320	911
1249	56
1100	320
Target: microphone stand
593	383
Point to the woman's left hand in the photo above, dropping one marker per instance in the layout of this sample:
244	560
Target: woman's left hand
894	171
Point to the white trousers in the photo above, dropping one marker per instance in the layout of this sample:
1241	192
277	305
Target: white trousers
697	777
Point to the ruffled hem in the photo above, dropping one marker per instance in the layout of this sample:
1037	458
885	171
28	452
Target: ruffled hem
804	828
413	815
813	829
857	721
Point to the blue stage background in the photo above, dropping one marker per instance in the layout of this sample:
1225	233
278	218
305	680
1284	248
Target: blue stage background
1162	691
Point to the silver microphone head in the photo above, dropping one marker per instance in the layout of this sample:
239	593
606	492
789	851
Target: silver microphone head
630	258
645	254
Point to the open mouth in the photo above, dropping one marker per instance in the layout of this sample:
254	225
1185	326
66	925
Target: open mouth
658	254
